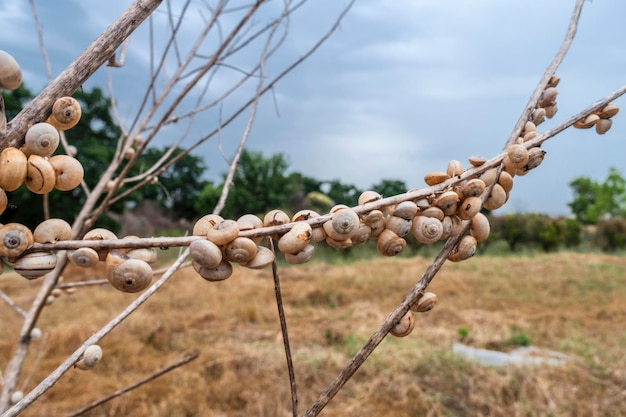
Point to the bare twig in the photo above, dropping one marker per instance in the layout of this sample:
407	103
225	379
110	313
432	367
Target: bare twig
42	46
12	304
91	406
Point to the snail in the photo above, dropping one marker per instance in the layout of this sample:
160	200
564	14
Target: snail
376	222
538	115
466	248
4	201
506	180
65	114
368	196
17	396
317	233
469	208
223	232
405	326
35	264
553	81
13	167
41	139
35	334
608	111
490	176
69	172
447	202
218	273
425	303
338	244
551	110
587	122
398	225
83	257
250	222
10	72
14	239
435	212
548	96
535	158
205	223
90	358
52	230
131	275
275	218
40	175
263	258
301	256
497	198
454	168
148	255
296	239
129	153
240	250
476	160
389	243
100	234
518	155
406	210
480	227
362	235
343	224
603	126
473	188
436	177
427	230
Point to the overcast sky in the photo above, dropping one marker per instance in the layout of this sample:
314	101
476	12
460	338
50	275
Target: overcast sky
403	87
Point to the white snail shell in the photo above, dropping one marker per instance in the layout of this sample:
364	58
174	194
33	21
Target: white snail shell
35	264
41	139
427	230
301	256
343	225
131	275
15	238
90	358
317	233
368	196
148	255
52	230
10	72
84	257
240	250
250	222
223	232
205	223
296	239
205	253
264	257
69	172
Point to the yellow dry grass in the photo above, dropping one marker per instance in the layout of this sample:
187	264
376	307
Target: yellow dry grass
568	302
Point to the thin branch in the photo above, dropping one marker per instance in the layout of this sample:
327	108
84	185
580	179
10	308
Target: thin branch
12	304
42	46
285	333
137	384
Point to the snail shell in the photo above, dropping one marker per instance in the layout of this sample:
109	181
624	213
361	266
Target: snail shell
489	177
548	96
480	227
129	153
469	208
539	115
506	181
551	110
447	202
148	255
15	238
466	248
497	198
35	264
65	114
240	250
343	225
587	122
435	212
83	257
17	396
405	326
476	160
518	155
535	158
529	136
132	275
205	253
554	81
425	303
223	232
363	234
608	111
338	244
436	177
301	256
13	167
406	210
90	358
398	225
52	230
219	273
4	201
10	72
473	188
275	218
263	258
427	230
100	233
369	197
376	224
40	175
317	233
296	239
41	139
205	223
250	222
454	168
389	243
603	126
69	172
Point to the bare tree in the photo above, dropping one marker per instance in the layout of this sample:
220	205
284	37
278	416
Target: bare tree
181	96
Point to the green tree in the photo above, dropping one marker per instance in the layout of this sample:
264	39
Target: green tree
343	193
388	187
595	200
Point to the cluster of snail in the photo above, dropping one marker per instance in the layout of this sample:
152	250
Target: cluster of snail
601	119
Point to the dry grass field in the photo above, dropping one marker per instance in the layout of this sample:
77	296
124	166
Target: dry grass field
573	303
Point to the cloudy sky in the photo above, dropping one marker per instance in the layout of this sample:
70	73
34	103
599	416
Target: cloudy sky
400	89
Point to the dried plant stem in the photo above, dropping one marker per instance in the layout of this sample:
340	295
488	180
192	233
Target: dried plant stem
91	406
285	333
4	297
55	375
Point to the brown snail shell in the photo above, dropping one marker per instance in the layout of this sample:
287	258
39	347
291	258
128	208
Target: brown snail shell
41	139
10	72
473	188
40	175
587	122
425	303
548	96
296	239
529	136
65	114
264	257
343	224
506	181
406	210
436	177
469	208
91	356
554	81
205	253
15	238
497	198
435	212
363	234
369	197
448	202
338	244
250	222
275	218
4	201
52	230
398	225
317	233
100	233
539	115
427	230
219	273
301	256
466	248
205	223
608	111
240	250
377	223
454	168
84	257
476	160
518	155
535	158
69	172
35	264
603	126
389	243
490	176
551	110
13	167
223	232
405	326
480	227
132	275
